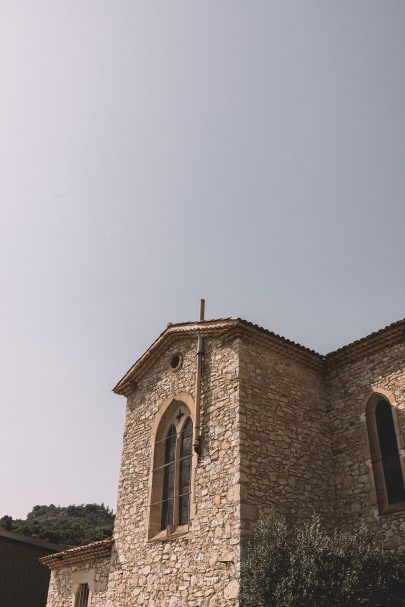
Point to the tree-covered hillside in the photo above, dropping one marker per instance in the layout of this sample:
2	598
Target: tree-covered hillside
68	526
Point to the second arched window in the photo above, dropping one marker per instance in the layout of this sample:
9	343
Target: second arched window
388	473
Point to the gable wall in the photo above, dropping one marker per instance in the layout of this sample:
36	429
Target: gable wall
61	586
349	387
183	571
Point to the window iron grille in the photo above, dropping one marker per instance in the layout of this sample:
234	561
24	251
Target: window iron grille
82	596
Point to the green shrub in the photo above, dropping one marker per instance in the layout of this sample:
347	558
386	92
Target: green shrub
309	567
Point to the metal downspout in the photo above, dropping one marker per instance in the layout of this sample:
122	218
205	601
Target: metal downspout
198	375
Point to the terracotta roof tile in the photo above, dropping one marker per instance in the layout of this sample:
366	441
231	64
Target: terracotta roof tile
374	342
79	554
219	326
389	335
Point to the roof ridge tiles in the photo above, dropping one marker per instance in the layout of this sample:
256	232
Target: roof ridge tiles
97	549
227	325
374	334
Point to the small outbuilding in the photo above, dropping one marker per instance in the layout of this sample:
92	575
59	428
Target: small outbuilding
24	580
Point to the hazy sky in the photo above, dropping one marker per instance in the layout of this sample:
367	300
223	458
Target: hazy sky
156	152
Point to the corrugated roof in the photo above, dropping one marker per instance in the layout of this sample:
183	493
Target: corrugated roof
27	539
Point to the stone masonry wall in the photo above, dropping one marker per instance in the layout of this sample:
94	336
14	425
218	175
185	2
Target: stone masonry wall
286	463
60	593
282	433
349	387
200	569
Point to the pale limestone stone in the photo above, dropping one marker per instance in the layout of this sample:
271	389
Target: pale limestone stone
233	494
281	433
231	590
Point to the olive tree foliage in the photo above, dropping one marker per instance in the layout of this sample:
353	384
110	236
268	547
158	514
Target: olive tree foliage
306	566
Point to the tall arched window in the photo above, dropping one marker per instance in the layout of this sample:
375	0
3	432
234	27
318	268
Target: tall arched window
171	475
387	467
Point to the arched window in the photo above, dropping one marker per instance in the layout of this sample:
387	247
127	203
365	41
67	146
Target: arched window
172	471
82	596
387	468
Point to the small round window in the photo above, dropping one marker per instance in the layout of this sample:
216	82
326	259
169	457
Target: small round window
176	361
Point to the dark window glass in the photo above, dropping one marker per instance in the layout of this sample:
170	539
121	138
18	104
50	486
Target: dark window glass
168	478
394	481
185	472
82	596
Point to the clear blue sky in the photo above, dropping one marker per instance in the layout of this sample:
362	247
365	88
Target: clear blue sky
154	152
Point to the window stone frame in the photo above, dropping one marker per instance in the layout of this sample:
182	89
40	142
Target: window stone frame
373	449
160	426
86	576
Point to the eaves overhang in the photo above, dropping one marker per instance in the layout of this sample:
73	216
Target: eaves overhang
79	554
231	328
375	342
224	328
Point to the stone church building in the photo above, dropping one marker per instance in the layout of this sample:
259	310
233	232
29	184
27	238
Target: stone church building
226	421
